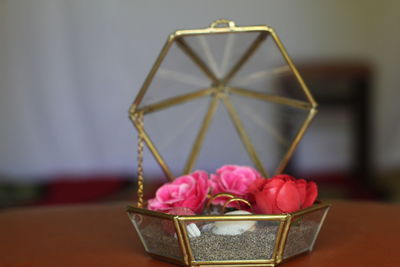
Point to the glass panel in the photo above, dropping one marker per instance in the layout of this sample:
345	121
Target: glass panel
302	233
222	144
233	240
271	127
158	236
248	69
220	52
177	75
174	131
266	71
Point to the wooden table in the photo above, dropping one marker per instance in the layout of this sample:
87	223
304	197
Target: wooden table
355	234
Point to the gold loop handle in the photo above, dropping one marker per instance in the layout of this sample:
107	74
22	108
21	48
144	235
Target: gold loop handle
236	199
220	22
212	198
232	198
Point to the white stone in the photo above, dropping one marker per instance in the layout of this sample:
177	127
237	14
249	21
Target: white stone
233	227
193	230
207	227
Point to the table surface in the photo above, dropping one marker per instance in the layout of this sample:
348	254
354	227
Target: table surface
354	234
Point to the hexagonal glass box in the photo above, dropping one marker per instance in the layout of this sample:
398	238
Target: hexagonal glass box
213	97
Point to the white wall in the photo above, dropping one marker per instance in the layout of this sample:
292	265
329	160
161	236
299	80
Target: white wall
70	69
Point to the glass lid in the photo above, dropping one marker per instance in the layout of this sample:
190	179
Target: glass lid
216	96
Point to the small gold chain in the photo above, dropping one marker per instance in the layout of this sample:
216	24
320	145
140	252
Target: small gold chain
139	119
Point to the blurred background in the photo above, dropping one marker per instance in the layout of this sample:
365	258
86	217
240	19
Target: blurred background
70	69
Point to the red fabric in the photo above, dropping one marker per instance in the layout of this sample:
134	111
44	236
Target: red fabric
72	190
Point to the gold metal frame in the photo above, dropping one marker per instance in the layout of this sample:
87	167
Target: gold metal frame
285	221
219	92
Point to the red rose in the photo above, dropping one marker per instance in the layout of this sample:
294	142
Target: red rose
283	194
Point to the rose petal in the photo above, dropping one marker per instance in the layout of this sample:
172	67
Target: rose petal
233	179
188	190
266	200
311	194
273	185
288	198
301	185
227	168
257	185
226	179
164	192
284	177
262	206
153	204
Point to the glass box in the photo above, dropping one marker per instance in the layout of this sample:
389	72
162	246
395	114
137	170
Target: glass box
211	98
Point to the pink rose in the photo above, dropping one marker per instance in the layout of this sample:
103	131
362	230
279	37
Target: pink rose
283	194
233	179
188	191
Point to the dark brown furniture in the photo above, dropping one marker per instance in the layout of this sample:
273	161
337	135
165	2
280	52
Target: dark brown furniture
343	86
355	234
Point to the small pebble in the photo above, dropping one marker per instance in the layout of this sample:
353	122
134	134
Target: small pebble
233	227
193	230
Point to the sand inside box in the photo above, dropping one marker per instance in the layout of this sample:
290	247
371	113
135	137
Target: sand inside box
251	245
